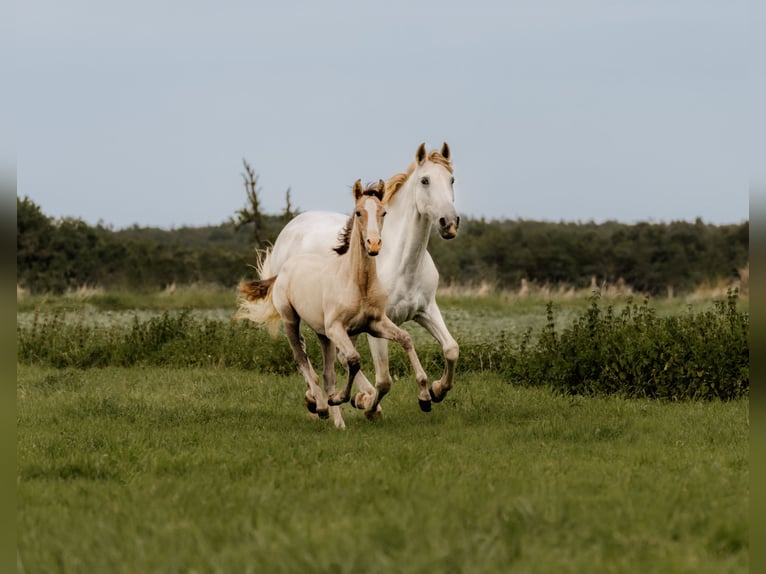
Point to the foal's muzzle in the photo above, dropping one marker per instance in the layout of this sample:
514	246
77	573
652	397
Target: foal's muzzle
448	227
373	247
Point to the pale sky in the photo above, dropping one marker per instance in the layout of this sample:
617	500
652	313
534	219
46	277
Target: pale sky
140	112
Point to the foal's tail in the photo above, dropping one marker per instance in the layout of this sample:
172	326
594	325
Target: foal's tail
256	305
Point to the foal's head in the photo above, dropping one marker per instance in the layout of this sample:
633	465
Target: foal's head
366	221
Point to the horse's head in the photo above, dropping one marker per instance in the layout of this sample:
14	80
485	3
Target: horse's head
369	212
432	182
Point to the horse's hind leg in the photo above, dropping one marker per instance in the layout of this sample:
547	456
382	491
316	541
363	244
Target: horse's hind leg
292	324
379	351
387	329
328	374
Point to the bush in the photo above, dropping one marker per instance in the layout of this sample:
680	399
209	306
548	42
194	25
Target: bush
637	354
633	353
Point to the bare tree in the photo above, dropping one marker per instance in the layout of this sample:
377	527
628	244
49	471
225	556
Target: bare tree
251	213
289	211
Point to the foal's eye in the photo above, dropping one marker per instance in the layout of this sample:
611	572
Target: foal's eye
359	214
453	181
384	214
424	180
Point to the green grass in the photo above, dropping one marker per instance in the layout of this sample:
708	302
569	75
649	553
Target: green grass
221	470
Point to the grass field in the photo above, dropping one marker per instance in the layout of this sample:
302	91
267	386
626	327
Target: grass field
158	469
152	470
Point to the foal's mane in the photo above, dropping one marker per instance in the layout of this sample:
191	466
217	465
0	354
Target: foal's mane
344	237
395	183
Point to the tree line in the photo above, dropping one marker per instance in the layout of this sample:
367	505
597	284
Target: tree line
54	255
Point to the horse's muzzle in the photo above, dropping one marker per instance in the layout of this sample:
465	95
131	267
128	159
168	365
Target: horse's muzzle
448	228
373	247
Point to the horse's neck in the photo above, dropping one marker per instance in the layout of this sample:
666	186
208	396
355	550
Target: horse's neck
405	236
361	266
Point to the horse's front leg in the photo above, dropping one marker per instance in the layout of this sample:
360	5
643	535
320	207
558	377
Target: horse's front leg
431	319
366	389
328	374
336	332
387	329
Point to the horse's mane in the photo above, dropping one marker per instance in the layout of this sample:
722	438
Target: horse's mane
344	237
395	183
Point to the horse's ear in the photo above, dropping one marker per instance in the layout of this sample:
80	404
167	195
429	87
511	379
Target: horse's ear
358	190
445	150
421	155
381	189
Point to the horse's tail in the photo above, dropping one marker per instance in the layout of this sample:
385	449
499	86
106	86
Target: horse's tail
256	304
263	263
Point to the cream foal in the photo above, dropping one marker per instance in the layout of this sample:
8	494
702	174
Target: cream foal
338	300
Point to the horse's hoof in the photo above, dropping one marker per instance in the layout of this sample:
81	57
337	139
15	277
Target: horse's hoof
434	398
323	413
357	401
373	415
311	406
425	406
335	400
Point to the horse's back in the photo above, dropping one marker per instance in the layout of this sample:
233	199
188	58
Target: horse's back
299	285
309	233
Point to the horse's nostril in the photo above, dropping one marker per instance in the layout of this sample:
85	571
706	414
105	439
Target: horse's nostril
442	222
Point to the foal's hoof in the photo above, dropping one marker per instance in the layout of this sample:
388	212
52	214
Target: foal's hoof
425	406
373	415
435	398
334	400
323	413
358	400
310	405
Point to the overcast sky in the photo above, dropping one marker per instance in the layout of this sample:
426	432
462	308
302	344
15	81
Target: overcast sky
140	112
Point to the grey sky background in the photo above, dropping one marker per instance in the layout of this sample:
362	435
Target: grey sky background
141	112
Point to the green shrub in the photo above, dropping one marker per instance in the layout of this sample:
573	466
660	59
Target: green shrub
633	353
637	354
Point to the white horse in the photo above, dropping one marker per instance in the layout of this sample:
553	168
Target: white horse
338	298
416	199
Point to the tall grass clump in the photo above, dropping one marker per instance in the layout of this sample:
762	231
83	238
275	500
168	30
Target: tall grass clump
177	339
635	353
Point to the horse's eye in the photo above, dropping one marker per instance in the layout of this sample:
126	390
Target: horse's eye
424	180
359	214
384	214
453	181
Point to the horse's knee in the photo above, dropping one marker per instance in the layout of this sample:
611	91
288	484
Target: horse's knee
451	351
354	362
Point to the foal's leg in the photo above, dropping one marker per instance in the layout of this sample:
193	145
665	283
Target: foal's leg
387	329
361	381
292	325
338	335
431	319
328	374
366	389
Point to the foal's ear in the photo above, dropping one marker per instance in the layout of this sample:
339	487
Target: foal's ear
381	189
358	190
421	155
445	150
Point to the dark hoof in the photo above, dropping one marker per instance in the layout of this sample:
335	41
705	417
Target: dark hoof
334	402
323	414
312	407
425	406
434	398
353	402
